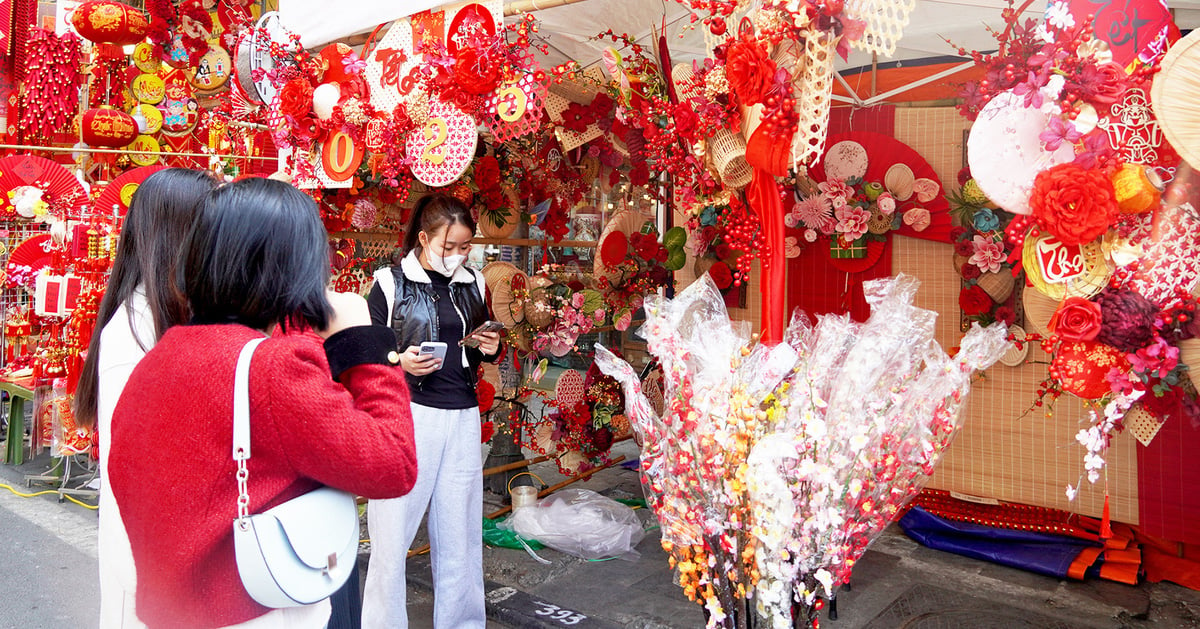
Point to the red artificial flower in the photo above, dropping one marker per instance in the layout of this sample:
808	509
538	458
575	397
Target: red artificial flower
724	251
685	121
750	71
971	272
295	98
614	249
487	173
1006	315
576	117
974	301
485	395
486	431
964	248
1077	319
1102	84
1073	204
475	73
639	175
721	275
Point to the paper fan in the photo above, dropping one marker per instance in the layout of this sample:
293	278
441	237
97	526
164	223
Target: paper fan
62	190
1014	355
119	192
504	281
845	160
33	252
1178	113
623	224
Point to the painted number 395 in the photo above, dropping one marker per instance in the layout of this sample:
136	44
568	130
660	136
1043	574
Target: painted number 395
554	612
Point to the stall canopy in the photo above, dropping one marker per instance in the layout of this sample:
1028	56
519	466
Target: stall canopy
922	57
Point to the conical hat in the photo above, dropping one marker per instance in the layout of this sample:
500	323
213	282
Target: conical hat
503	280
1173	97
626	222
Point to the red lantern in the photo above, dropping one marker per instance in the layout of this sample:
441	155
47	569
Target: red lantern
110	22
108	127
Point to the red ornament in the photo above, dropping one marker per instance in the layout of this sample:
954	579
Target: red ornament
110	22
108	127
1082	367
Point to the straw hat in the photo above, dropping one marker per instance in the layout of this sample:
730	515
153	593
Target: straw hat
1039	307
625	222
1177	109
503	279
537	306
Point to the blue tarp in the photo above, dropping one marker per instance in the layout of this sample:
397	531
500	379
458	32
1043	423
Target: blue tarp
1043	553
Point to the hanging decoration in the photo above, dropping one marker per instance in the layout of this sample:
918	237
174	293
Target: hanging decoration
52	81
109	22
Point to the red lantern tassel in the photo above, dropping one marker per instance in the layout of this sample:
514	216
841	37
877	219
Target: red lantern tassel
1105	521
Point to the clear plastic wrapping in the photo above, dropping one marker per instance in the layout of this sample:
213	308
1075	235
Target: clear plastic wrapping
773	468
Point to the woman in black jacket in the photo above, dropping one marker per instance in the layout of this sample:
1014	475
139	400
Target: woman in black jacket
431	296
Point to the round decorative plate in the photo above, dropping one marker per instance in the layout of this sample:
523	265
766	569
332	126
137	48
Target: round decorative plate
442	151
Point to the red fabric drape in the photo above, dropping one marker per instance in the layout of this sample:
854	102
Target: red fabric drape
1168	475
763	196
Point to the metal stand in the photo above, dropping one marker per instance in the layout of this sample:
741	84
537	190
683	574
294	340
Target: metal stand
60	476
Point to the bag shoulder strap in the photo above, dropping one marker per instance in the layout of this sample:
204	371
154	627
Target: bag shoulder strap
241	402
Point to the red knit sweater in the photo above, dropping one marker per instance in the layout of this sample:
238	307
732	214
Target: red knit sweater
173	475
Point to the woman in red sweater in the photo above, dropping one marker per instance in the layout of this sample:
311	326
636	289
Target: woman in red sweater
330	413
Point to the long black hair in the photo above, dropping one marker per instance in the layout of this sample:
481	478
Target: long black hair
431	213
159	218
258	255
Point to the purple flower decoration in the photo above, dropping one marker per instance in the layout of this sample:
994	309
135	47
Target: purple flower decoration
1057	132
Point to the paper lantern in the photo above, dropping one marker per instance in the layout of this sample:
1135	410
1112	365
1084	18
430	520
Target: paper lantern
1082	367
109	22
108	127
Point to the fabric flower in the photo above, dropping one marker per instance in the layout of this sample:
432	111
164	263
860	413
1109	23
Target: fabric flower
1059	16
815	212
886	203
835	190
1057	132
974	301
1074	204
1077	319
852	221
989	254
295	98
964	248
475	73
686	122
985	220
1006	315
1102	84
1127	319
750	71
971	272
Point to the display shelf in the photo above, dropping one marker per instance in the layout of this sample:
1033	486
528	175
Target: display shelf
533	242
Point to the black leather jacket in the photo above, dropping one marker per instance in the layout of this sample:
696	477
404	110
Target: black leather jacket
415	314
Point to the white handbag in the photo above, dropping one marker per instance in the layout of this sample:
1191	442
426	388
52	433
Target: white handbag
296	553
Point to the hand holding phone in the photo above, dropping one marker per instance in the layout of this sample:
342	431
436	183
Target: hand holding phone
435	349
472	339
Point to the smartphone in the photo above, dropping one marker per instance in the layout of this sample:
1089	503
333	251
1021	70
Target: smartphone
434	348
486	326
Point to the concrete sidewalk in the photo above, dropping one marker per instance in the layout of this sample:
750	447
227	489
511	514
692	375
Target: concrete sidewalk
898	583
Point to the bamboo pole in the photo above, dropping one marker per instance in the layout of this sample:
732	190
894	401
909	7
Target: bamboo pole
514	465
541	494
529	6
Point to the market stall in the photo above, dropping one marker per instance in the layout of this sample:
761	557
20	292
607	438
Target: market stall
633	166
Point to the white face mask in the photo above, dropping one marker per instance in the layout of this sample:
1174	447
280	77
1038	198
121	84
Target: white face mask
445	265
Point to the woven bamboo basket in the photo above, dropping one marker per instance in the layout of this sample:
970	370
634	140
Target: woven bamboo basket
997	284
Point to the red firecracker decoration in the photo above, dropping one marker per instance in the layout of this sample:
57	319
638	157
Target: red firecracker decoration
110	22
108	127
51	85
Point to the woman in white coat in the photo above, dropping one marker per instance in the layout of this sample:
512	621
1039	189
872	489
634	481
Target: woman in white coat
140	303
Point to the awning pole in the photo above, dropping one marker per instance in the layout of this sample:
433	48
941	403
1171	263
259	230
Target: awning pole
529	6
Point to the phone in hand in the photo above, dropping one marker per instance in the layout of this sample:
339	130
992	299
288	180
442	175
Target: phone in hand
436	349
487	326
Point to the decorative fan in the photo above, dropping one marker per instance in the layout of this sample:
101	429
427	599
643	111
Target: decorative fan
61	190
615	233
119	192
33	252
505	280
1177	113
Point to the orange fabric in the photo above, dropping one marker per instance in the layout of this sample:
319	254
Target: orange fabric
889	79
1121	566
1165	560
1084	561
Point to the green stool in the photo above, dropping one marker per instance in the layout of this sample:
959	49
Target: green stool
14	448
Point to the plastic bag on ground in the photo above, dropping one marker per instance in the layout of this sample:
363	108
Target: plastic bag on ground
582	523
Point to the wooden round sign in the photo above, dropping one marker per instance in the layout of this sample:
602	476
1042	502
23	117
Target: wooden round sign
341	156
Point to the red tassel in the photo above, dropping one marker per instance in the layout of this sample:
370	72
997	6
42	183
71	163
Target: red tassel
1105	522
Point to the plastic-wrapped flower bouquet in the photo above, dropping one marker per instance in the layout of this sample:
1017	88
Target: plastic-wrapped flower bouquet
773	468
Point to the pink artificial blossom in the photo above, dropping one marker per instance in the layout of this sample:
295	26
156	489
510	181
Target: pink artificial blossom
989	254
852	221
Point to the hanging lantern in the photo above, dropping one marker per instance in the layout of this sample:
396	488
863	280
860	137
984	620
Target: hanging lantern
108	127
110	22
